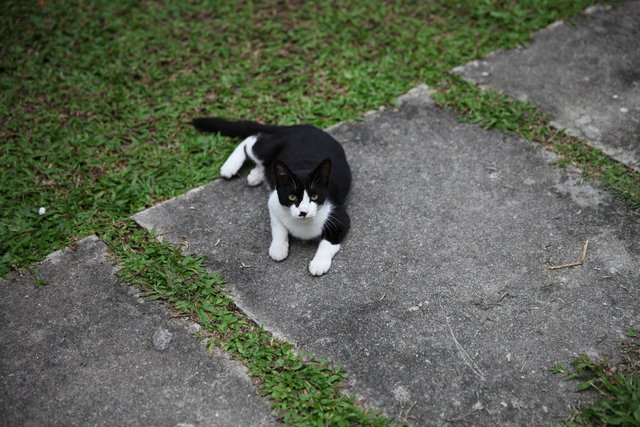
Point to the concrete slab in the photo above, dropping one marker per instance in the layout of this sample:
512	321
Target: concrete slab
586	75
86	350
440	300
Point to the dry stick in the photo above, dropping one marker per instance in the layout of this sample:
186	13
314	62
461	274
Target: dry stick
573	264
406	415
475	409
463	353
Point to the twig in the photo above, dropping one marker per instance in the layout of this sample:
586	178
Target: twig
573	264
406	416
631	253
463	353
477	407
184	242
548	141
487	305
620	284
247	266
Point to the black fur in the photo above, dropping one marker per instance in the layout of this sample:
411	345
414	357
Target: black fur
241	128
296	158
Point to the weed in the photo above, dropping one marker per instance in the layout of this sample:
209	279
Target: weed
558	369
618	387
37	281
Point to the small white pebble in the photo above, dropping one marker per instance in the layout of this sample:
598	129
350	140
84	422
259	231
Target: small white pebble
624	110
615	96
42	211
484	74
193	328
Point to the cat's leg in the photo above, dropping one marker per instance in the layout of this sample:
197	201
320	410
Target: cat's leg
235	161
256	176
321	262
333	233
279	248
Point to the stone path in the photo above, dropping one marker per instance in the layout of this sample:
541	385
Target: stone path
86	350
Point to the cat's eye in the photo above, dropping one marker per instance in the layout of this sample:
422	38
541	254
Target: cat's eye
293	197
314	197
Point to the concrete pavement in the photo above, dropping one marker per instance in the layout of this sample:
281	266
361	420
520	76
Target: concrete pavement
87	350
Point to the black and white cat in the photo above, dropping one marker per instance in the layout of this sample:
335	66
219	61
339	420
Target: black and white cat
308	176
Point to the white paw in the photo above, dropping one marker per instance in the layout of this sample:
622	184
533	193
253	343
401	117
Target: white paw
256	176
279	250
228	170
319	265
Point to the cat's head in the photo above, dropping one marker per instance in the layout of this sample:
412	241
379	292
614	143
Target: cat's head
303	193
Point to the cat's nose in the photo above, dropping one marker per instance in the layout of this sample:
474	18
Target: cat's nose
303	214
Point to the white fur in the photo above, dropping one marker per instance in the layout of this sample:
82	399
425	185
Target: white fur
306	206
321	262
306	228
238	157
279	248
256	176
286	220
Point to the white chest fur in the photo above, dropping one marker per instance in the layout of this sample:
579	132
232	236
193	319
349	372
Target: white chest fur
302	228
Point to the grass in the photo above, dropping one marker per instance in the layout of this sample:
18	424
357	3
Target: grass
618	387
96	97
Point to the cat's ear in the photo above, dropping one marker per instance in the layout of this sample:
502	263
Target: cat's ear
322	172
282	174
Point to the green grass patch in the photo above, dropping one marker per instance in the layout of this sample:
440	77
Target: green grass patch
303	389
618	387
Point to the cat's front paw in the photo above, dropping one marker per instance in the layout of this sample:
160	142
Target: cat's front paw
279	250
319	265
256	176
228	170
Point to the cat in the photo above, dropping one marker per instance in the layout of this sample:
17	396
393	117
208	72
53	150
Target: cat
308	176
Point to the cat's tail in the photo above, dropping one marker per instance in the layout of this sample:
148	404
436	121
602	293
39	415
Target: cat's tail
240	128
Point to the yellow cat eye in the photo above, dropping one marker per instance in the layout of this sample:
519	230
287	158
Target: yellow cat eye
293	197
314	197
